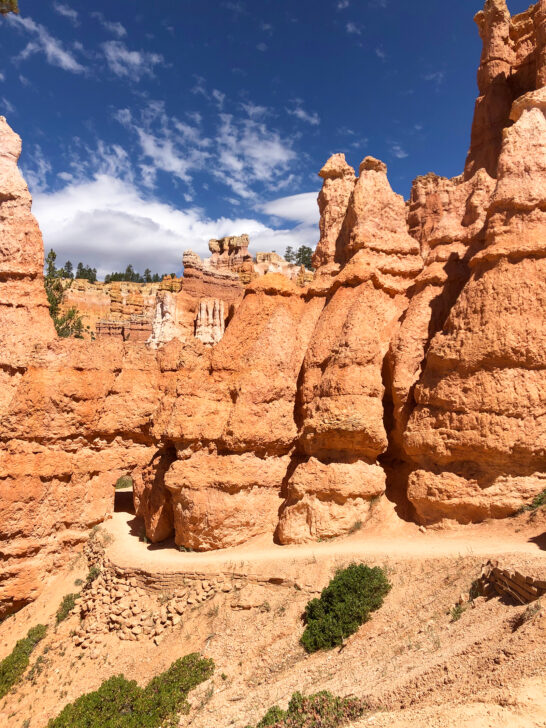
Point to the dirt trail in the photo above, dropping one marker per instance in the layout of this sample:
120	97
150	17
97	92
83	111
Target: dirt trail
385	535
412	663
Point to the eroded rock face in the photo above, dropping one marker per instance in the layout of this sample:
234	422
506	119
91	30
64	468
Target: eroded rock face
416	354
479	431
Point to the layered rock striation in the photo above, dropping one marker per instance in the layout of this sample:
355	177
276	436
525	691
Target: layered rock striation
410	368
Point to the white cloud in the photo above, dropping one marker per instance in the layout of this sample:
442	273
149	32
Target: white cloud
299	112
262	47
108	223
170	145
398	152
353	29
342	4
301	208
255	111
112	27
44	43
437	77
130	64
380	53
248	152
36	174
67	12
6	106
2	76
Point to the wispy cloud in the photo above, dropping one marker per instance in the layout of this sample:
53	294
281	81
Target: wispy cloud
398	151
130	64
353	28
380	53
67	12
300	113
44	43
436	77
249	152
262	47
342	4
2	76
6	107
254	111
36	175
111	26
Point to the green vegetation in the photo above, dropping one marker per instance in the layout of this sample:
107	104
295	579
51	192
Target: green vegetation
456	612
133	276
344	605
301	256
124	482
94	571
67	605
120	703
69	323
322	710
14	665
538	501
8	6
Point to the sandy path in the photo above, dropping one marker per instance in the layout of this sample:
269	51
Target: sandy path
389	536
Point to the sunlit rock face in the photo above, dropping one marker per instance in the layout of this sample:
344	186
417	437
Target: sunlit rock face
268	401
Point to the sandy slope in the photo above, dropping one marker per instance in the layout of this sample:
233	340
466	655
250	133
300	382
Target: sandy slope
413	665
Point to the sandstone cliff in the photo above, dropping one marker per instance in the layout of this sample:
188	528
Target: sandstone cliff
411	368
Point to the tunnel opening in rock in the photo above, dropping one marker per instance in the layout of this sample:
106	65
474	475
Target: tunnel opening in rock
123	496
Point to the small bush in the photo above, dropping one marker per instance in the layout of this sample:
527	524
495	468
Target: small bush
124	482
539	501
67	605
322	710
121	703
456	612
344	605
14	665
94	572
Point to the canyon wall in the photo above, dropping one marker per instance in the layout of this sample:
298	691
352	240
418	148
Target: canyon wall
411	368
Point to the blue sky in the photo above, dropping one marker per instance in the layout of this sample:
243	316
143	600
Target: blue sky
149	128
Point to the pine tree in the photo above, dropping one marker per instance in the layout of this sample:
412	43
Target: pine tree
69	323
68	270
303	256
8	6
289	255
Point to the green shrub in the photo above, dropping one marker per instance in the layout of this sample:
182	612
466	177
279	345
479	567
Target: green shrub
67	605
93	573
456	612
539	501
124	482
344	605
322	710
14	665
121	703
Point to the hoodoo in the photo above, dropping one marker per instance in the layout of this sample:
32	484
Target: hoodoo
410	368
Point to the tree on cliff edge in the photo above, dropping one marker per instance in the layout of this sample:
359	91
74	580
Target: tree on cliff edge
8	6
69	323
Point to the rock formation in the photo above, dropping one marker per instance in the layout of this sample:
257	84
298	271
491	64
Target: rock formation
412	365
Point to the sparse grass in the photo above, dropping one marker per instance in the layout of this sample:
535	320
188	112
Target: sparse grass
121	703
124	482
67	605
344	605
14	665
527	615
322	710
539	501
357	525
456	612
